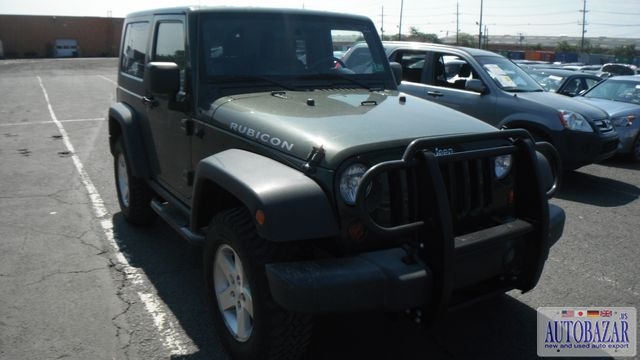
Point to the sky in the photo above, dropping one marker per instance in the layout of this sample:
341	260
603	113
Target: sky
604	18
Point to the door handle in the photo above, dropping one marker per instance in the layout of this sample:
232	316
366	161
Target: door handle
435	93
149	100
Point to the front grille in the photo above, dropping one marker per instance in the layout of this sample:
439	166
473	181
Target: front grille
476	199
604	126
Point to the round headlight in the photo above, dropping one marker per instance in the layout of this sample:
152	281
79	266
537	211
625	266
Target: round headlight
350	181
502	165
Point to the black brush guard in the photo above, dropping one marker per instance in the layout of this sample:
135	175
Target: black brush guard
439	250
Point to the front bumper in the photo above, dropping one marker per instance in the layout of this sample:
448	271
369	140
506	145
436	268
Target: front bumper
627	135
383	280
578	149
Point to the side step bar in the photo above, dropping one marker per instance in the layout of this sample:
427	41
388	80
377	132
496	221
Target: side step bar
177	220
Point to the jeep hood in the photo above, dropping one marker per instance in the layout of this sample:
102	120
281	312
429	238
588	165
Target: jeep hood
344	123
561	102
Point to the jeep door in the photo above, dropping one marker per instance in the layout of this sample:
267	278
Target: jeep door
443	80
170	140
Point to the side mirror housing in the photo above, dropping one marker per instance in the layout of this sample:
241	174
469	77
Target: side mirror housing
475	85
162	77
396	68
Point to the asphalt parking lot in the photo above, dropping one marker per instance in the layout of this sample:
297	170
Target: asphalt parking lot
77	282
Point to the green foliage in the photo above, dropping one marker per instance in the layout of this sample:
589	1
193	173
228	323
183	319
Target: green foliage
467	40
625	51
414	35
564	47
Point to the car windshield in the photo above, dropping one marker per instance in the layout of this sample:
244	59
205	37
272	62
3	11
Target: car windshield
295	50
617	90
547	81
507	75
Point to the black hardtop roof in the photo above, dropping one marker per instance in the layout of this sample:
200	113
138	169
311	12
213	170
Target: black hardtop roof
248	10
436	47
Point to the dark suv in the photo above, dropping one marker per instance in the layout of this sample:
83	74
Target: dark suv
314	187
491	88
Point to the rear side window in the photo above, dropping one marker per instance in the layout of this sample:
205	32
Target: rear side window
134	49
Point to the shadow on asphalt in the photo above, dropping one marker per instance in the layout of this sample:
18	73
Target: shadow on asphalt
498	328
595	190
621	162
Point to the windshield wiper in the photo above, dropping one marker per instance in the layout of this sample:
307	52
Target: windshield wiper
251	79
517	90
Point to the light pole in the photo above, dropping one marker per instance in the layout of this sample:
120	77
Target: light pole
480	27
400	26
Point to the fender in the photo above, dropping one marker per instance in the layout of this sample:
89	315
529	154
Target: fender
121	123
295	207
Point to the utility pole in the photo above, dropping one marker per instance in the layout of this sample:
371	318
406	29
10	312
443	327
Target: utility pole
382	24
400	26
584	23
486	37
457	23
480	27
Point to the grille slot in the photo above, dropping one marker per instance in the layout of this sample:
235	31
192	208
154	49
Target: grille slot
468	186
604	126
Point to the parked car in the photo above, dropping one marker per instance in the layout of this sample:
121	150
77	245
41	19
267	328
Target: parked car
612	69
590	69
619	96
492	88
564	82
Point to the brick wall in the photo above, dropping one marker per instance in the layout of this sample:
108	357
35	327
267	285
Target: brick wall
25	36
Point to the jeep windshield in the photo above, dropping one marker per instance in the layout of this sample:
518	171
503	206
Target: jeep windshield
507	75
284	51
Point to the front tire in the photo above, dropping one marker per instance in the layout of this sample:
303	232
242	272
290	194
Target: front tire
134	194
635	149
249	323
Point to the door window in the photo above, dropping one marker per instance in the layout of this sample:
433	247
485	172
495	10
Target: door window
134	49
169	45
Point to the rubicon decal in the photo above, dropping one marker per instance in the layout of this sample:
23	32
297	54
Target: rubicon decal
261	136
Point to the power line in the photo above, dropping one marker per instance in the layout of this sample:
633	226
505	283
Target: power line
615	12
616	25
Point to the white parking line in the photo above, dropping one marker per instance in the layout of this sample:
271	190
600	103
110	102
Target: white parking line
50	122
109	80
153	304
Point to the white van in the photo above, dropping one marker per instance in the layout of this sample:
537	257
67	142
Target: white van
65	48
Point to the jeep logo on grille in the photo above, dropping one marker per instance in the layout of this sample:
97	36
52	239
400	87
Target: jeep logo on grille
443	152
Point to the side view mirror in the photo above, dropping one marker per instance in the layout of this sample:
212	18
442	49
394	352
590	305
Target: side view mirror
396	68
162	77
475	85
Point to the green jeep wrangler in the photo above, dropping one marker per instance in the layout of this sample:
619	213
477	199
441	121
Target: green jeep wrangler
314	187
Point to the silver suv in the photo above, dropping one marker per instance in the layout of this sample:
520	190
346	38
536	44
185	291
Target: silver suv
491	88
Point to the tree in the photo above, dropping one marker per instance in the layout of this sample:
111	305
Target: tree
468	40
564	47
625	51
416	35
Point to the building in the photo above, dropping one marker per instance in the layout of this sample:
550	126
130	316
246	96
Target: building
27	36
